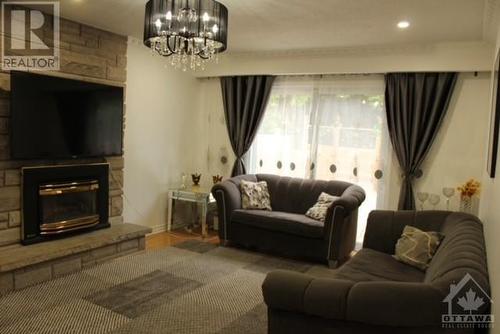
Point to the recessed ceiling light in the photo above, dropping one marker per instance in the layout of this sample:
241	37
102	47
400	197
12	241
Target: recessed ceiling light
403	24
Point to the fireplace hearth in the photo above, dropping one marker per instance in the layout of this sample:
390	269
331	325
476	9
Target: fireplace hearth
63	200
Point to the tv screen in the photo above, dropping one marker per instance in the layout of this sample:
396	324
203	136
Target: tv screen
62	118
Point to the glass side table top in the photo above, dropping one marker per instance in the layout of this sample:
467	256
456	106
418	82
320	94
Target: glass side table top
193	194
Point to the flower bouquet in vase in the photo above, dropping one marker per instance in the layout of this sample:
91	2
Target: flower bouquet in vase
469	196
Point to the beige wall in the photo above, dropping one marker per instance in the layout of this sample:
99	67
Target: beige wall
212	128
159	137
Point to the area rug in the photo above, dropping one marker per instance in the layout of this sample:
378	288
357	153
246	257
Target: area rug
194	287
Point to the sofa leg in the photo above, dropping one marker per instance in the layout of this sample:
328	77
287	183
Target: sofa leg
333	264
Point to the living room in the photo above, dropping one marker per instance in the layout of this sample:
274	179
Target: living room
248	167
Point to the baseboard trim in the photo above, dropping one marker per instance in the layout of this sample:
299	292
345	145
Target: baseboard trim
158	228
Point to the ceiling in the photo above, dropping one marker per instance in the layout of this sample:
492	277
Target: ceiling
276	25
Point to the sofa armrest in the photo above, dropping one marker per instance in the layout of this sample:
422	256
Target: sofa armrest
341	222
228	197
384	228
350	200
296	292
371	303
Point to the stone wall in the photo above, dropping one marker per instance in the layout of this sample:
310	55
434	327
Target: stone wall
86	53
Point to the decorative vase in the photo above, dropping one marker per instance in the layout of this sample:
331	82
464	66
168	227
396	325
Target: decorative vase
196	178
466	204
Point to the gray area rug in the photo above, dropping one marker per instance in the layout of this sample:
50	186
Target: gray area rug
191	288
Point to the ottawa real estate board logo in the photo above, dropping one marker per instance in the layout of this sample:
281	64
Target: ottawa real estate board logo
468	305
30	35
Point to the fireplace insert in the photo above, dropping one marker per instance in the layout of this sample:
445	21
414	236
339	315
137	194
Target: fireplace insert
63	200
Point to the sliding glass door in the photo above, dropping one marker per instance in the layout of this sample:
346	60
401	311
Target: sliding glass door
330	128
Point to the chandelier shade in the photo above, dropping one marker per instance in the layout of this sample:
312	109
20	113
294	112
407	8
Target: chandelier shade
191	31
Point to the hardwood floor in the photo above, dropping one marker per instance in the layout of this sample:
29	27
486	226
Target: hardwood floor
167	239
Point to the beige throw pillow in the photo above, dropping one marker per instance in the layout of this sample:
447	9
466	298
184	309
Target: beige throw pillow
416	247
255	195
318	211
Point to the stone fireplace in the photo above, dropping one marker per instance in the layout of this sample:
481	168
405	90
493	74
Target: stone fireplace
86	54
58	201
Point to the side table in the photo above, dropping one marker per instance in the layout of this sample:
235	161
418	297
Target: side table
194	194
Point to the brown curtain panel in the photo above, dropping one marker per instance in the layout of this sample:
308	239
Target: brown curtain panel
245	99
416	104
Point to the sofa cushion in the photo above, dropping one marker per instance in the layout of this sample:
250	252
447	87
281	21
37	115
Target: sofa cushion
254	195
318	210
416	247
372	265
278	221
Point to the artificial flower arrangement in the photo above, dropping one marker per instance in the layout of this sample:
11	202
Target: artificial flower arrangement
469	188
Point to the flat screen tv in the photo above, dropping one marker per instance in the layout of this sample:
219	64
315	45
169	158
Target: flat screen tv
56	118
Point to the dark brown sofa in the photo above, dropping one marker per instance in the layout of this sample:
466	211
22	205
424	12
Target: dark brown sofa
374	293
286	230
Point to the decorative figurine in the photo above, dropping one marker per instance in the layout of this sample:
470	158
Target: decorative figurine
196	178
217	178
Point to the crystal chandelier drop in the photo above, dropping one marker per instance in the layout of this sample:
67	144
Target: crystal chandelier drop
190	32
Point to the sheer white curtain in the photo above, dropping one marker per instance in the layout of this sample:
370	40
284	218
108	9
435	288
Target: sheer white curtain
327	127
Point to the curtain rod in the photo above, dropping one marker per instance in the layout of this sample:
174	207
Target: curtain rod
298	75
337	74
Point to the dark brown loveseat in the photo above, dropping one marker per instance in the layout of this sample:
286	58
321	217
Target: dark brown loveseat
374	293
286	230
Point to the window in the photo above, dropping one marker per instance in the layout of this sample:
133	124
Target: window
328	127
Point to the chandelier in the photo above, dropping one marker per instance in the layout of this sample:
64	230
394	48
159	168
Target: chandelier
190	32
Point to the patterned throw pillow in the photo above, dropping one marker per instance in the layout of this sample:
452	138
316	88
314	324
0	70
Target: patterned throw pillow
254	195
318	211
416	247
